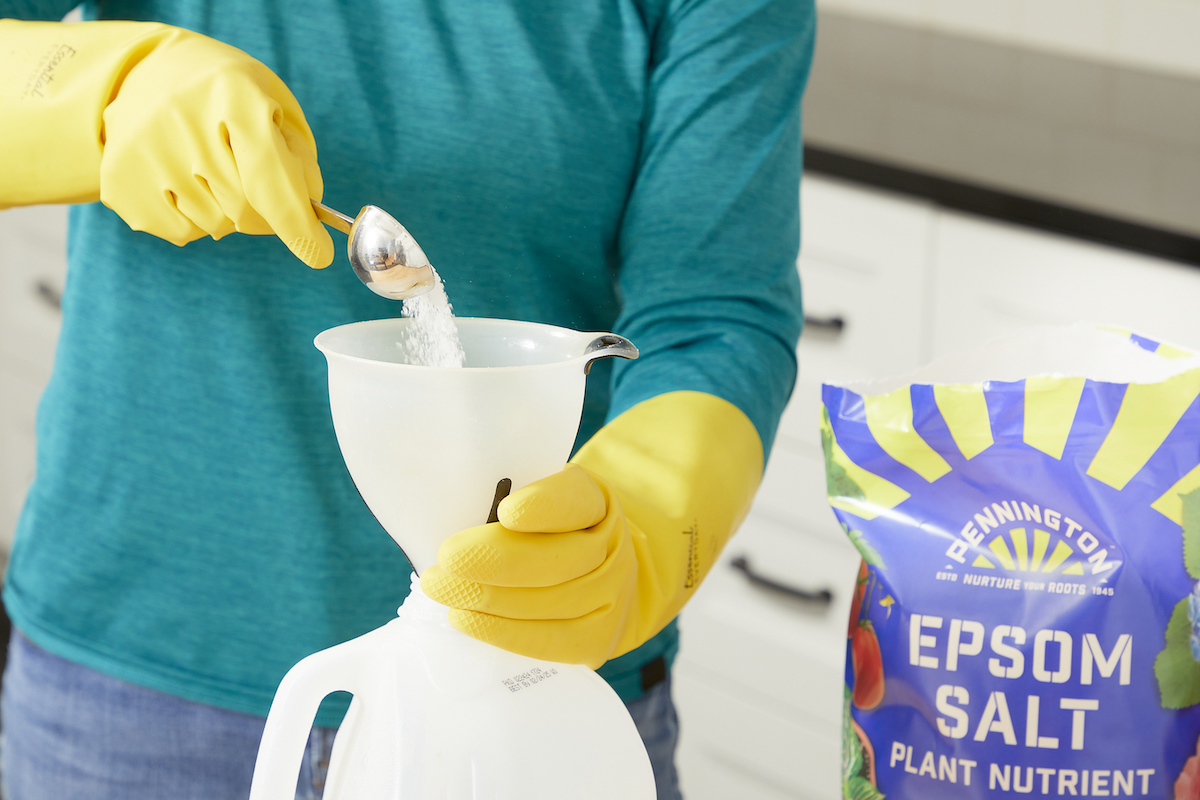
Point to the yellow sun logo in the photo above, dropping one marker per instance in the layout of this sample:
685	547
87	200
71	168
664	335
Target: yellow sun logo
1020	557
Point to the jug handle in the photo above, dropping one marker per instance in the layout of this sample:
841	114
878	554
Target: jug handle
608	345
286	734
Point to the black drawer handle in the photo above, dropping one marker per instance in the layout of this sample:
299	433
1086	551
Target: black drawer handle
742	564
834	324
51	296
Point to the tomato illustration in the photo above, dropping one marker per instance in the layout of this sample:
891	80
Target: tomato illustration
1187	787
860	589
867	662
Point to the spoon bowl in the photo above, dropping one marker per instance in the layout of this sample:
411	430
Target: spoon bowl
383	253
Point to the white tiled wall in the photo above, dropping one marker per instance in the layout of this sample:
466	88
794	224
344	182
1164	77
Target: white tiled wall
1161	35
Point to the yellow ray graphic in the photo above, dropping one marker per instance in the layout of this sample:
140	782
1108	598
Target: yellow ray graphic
1160	348
1172	352
1017	558
1020	547
890	418
1148	413
1050	405
1170	505
879	494
1041	540
1061	553
965	411
1000	548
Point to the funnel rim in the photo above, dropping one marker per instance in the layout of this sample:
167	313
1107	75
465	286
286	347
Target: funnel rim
584	337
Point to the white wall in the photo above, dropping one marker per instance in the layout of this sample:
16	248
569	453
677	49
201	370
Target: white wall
1160	35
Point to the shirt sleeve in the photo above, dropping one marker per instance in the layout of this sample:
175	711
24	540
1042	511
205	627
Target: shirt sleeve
36	10
711	231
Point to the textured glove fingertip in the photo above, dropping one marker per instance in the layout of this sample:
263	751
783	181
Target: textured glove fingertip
431	582
450	590
478	562
566	501
316	253
512	511
484	627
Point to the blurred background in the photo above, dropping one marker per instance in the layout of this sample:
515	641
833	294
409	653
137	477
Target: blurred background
972	167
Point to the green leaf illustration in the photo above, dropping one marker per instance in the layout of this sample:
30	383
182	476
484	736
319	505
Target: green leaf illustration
1178	673
852	759
869	554
859	788
855	785
1191	532
837	482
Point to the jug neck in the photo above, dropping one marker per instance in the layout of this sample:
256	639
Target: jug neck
418	607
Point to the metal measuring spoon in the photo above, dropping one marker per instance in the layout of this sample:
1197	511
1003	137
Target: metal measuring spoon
384	255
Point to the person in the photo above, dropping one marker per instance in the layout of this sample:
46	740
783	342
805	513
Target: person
191	532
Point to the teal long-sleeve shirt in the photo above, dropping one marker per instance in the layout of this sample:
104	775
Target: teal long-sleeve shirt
630	165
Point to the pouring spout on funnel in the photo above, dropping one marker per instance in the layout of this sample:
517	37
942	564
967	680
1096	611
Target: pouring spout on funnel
608	345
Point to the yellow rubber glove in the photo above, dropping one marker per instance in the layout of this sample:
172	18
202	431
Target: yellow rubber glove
589	563
179	134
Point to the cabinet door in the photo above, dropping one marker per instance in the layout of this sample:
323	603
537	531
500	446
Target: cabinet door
20	396
760	673
992	279
862	266
33	268
759	677
775	758
32	276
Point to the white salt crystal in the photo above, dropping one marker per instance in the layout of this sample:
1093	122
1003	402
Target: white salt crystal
431	340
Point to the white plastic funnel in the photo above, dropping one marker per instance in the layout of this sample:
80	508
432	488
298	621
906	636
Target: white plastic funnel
426	446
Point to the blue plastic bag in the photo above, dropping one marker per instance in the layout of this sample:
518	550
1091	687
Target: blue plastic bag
1027	621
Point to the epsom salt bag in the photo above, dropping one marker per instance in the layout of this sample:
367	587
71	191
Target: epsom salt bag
1026	622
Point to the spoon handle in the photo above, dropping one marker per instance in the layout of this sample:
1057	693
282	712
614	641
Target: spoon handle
334	219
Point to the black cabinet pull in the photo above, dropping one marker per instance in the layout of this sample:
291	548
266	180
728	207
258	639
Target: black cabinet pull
834	324
742	564
51	296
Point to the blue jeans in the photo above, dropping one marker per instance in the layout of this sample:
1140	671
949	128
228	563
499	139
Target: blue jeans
71	733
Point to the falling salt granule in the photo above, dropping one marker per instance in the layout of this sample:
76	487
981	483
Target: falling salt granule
432	338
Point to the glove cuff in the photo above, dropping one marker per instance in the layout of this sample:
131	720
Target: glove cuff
685	467
57	79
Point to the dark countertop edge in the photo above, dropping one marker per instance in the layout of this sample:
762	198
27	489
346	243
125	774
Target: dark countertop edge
1009	207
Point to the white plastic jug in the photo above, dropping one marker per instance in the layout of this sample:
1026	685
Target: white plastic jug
437	714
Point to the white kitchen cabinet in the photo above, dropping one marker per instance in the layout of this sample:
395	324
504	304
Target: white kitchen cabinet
777	758
759	676
772	664
32	275
864	263
33	268
758	681
18	406
992	279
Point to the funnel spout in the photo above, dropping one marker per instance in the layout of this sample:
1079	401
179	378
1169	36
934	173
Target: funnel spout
608	345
